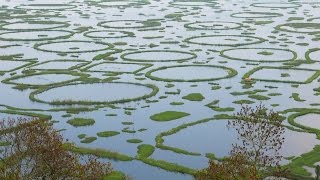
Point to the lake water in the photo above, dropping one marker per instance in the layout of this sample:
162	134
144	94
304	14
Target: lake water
185	46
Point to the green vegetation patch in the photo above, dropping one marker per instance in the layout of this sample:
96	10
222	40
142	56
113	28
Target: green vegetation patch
296	97
108	34
44	35
88	140
15	64
194	97
308	80
266	52
230	40
27	25
168	116
117	67
115	175
107	133
259	97
130	24
98	152
73	48
78	63
150	55
135	141
299	27
254	15
33	95
243	101
145	151
231	73
77	122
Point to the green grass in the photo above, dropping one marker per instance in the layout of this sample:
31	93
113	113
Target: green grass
81	136
168	116
231	73
274	94
88	140
296	97
115	175
145	151
194	97
98	152
77	122
307	159
259	97
175	103
169	166
221	109
107	133
127	123
135	141
243	101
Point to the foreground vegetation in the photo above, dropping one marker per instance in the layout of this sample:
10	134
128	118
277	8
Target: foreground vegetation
33	149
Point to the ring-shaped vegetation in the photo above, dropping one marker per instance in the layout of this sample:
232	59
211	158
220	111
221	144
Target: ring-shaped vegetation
46	7
299	27
117	67
160	137
52	63
33	25
229	73
119	3
22	112
213	25
154	56
77	77
40	35
255	15
73	49
309	54
280	5
231	40
13	65
292	118
193	3
127	24
109	34
314	74
258	54
153	91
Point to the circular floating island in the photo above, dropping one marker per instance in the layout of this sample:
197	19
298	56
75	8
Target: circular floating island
33	25
224	40
123	24
158	56
44	78
46	6
191	73
255	15
259	54
276	5
93	93
121	3
72	46
108	34
213	25
313	54
299	27
35	35
193	3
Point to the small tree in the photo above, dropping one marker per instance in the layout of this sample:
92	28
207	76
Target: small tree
33	149
261	136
